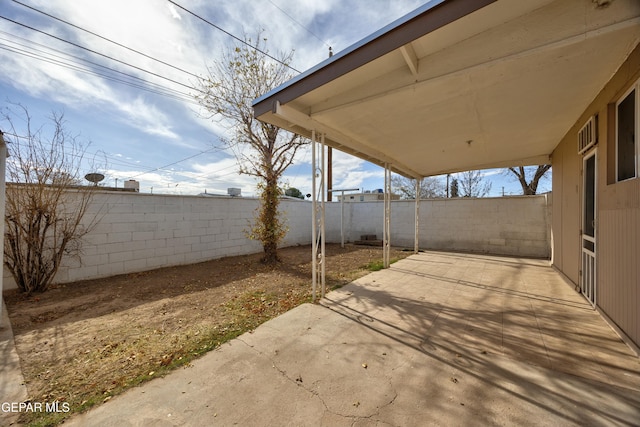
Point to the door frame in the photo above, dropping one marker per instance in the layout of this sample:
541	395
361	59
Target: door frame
588	243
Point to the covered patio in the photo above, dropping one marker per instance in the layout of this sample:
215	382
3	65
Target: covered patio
458	85
488	307
437	339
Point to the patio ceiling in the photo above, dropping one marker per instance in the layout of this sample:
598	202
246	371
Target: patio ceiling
462	84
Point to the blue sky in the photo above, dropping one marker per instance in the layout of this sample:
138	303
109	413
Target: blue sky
162	142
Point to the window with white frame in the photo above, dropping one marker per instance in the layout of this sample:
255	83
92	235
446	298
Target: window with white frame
627	124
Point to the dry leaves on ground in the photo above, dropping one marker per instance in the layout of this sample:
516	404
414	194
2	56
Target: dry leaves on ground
84	342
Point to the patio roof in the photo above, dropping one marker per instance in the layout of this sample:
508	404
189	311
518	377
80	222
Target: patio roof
462	84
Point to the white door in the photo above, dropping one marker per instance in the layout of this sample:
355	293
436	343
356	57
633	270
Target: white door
589	224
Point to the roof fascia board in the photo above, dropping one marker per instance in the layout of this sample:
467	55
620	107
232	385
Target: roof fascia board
424	20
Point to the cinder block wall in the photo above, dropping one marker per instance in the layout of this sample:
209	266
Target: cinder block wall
503	226
138	232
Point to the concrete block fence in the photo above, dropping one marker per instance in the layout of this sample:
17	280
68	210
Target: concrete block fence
517	226
138	232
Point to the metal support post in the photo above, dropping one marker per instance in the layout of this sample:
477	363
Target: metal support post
323	199
342	219
386	234
417	217
318	217
342	210
314	238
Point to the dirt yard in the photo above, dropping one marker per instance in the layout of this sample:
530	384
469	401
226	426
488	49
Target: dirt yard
83	342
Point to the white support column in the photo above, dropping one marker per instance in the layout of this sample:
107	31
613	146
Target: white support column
386	233
318	217
314	237
417	218
342	190
341	219
323	198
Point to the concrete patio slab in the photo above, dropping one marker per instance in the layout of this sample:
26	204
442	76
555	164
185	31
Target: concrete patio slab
437	339
12	386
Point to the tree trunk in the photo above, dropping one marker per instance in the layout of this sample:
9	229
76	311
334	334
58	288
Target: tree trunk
270	253
271	227
530	188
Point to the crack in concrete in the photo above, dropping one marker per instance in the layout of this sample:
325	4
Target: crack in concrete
297	381
314	392
391	402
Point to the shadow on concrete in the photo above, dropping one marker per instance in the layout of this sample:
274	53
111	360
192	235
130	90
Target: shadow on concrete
539	342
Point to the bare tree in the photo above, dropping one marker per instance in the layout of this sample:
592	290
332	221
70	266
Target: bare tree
430	187
536	173
44	204
243	75
472	184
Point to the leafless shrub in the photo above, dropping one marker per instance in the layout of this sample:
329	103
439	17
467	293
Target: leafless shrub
45	203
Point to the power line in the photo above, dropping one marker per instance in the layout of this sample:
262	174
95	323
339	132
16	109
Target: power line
157	85
69	63
233	36
159	89
98	53
112	160
294	20
183	98
185	178
179	94
106	39
174	163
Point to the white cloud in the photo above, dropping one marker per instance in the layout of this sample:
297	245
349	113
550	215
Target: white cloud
177	38
348	172
182	182
149	118
174	12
